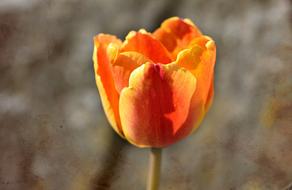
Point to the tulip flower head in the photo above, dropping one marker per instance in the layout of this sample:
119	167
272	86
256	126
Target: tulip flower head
155	88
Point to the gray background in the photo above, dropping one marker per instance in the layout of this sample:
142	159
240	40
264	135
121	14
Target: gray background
53	132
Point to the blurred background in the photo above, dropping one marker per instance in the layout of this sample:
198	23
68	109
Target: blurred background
53	131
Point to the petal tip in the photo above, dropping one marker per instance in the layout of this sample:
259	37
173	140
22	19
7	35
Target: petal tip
143	31
130	35
210	45
189	21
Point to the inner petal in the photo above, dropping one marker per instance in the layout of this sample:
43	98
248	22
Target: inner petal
123	66
176	34
144	43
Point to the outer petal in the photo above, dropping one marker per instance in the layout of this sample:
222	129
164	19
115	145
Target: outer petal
102	56
200	60
176	34
155	108
210	96
123	66
145	44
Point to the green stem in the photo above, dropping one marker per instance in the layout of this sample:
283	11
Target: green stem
154	169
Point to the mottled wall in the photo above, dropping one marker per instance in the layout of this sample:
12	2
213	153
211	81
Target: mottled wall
53	132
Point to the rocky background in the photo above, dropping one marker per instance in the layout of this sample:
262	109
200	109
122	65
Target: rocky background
53	132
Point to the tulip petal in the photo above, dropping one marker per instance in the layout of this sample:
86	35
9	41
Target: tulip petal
210	96
142	42
176	34
200	60
155	108
124	64
102	56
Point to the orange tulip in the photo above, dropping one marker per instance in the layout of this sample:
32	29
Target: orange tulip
155	87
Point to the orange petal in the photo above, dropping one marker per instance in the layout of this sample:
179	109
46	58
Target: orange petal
210	96
200	60
104	79
145	44
106	39
124	64
175	34
155	108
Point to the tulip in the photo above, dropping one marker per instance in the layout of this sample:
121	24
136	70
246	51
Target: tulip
155	88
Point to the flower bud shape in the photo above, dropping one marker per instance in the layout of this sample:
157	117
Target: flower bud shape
155	88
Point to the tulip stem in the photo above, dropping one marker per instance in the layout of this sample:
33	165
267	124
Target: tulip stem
154	169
